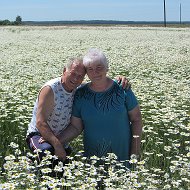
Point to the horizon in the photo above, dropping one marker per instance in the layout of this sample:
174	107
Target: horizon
134	11
100	20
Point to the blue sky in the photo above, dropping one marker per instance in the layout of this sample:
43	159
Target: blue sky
129	10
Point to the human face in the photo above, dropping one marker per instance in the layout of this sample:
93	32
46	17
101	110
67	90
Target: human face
73	77
96	71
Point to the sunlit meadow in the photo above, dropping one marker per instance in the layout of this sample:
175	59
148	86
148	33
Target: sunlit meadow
157	63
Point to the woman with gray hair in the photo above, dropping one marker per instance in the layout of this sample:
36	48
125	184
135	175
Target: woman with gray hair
109	115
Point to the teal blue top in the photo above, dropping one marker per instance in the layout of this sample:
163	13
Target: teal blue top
105	119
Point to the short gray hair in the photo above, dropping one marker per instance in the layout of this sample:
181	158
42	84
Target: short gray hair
72	60
93	55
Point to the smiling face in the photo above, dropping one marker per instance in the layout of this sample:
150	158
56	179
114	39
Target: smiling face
96	71
96	65
73	76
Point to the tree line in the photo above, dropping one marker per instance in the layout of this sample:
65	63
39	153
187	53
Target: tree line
18	21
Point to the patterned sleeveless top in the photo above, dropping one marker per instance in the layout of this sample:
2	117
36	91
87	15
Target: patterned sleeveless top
60	117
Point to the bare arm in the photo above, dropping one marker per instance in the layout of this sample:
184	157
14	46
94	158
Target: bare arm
72	131
136	121
45	108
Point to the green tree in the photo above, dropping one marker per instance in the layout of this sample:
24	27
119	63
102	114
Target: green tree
18	20
5	22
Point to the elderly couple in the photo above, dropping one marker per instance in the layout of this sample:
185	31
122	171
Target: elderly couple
108	114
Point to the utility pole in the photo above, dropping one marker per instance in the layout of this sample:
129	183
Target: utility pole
180	13
164	13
